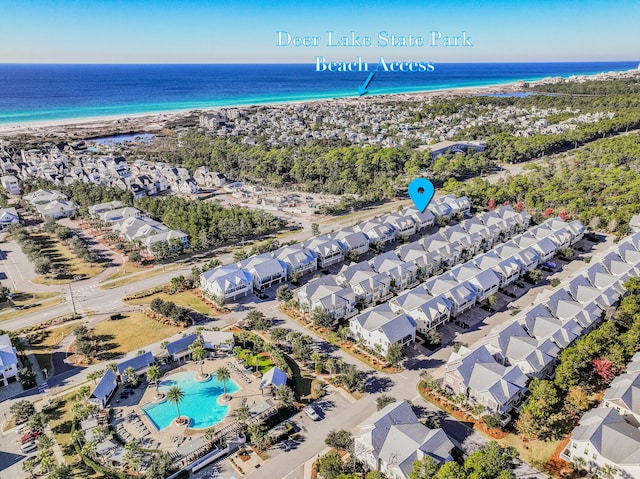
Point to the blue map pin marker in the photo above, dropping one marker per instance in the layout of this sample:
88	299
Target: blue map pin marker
421	191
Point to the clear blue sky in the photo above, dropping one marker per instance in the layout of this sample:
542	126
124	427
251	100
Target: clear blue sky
215	31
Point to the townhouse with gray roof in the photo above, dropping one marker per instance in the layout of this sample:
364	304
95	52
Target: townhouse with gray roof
392	439
380	327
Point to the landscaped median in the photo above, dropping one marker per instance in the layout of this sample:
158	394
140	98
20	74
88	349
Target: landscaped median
349	347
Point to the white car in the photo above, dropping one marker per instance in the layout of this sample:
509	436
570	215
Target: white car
311	412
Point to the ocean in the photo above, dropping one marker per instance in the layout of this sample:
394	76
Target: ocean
37	92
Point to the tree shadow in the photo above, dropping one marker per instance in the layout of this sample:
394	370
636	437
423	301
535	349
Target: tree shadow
377	383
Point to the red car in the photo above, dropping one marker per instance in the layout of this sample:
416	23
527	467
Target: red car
29	437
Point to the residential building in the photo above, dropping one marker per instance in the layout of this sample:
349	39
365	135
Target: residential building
485	381
392	439
329	251
56	209
265	270
226	282
8	217
104	390
299	260
10	184
219	341
8	360
140	364
380	327
180	348
326	294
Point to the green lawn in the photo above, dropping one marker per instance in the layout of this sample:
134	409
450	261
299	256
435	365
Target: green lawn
132	333
264	363
186	299
44	349
533	452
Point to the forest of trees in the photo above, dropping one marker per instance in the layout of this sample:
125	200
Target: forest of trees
209	224
599	185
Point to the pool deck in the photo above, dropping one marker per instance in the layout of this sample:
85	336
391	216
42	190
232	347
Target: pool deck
132	424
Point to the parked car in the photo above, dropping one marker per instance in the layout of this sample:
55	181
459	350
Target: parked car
312	413
28	447
549	266
31	436
22	428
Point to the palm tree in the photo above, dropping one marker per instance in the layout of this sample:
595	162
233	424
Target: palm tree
222	375
176	396
243	415
78	436
47	462
154	373
89	449
317	361
285	395
330	364
29	465
131	376
199	354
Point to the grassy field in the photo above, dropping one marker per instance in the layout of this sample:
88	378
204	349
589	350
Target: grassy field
132	333
129	279
127	269
60	254
43	350
533	452
185	299
21	299
14	313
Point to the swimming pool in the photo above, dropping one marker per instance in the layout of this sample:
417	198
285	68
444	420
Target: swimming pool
199	404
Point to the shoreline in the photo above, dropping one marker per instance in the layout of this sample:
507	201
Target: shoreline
155	121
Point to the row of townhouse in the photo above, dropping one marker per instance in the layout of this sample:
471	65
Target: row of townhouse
63	165
495	372
255	273
366	284
51	204
608	437
452	293
132	225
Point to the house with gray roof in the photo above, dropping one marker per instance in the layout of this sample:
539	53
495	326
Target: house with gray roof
508	270
352	241
179	349
104	390
328	250
8	360
540	324
56	209
403	275
605	438
380	327
369	286
599	277
97	210
226	282
623	395
441	211
265	270
485	282
8	217
528	257
462	295
117	215
299	260
450	254
545	248
423	220
405	226
377	231
325	293
392	439
140	364
175	240
476	374
619	268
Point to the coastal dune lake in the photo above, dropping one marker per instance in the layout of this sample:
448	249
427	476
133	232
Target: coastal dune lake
36	92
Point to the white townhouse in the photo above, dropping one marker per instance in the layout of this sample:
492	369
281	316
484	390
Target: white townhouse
119	214
8	217
392	439
326	294
97	210
369	286
545	248
352	241
10	184
427	311
485	282
8	360
476	374
405	225
462	295
423	220
226	282
403	275
377	231
449	253
174	239
265	270
380	327
41	197
508	270
540	324
298	259
56	209
329	251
